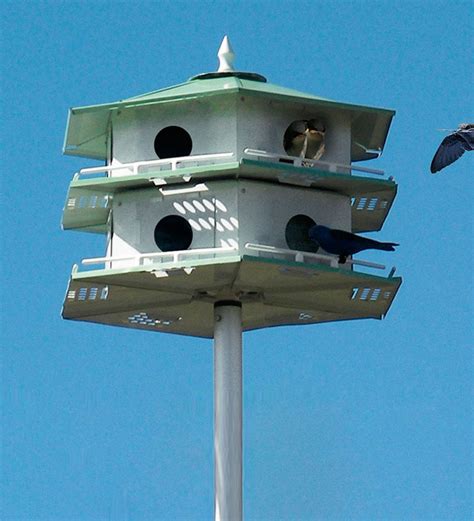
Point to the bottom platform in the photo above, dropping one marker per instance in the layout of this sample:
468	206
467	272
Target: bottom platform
179	297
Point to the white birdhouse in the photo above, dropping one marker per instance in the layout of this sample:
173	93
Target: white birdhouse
207	193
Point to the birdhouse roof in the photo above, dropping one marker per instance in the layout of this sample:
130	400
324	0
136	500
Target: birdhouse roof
87	126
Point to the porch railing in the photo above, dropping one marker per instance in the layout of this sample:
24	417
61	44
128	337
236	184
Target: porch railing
340	168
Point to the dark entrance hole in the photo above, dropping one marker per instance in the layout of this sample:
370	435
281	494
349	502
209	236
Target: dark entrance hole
173	233
173	142
296	234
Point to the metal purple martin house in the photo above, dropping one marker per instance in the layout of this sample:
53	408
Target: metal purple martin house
206	217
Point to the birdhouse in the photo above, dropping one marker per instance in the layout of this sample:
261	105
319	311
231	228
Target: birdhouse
207	193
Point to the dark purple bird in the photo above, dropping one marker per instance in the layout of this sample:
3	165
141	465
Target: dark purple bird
344	243
453	147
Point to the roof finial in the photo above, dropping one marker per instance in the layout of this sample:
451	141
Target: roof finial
226	56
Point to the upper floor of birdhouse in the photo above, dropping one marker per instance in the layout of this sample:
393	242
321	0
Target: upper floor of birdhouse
222	114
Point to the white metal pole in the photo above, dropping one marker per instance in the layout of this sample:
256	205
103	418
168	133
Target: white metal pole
228	411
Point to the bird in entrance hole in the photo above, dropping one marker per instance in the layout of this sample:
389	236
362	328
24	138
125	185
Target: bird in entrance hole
339	242
453	147
305	139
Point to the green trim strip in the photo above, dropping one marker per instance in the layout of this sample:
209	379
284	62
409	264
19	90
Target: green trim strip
321	267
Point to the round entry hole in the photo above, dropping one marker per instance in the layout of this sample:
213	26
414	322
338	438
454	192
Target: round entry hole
173	233
173	142
296	234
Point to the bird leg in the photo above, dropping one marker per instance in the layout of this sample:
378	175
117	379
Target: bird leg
305	146
319	153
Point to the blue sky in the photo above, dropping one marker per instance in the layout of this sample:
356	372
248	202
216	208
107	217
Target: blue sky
365	420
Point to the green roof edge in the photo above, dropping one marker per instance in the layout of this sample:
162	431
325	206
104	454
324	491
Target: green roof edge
290	94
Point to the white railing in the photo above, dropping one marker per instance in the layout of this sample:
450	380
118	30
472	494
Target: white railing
298	161
173	257
300	256
175	163
162	257
138	166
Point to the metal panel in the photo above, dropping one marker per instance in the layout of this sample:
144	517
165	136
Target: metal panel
86	132
211	126
262	124
266	208
370	209
371	198
211	213
273	292
87	210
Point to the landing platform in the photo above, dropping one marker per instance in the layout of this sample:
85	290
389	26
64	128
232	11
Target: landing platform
89	200
178	297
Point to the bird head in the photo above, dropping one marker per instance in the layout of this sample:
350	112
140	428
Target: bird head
316	126
298	127
316	231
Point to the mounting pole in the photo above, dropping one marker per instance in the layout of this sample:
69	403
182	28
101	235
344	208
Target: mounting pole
228	410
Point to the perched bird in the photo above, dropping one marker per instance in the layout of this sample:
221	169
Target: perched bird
305	139
344	243
453	147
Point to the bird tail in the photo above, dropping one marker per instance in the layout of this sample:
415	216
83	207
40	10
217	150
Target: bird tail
386	246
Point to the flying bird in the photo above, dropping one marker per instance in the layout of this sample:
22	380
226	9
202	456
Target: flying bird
453	147
344	243
305	139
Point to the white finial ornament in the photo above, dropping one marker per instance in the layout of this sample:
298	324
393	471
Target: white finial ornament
226	56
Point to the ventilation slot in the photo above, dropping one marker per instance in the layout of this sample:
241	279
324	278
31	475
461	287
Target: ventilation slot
84	294
88	201
372	204
142	319
368	204
368	294
375	294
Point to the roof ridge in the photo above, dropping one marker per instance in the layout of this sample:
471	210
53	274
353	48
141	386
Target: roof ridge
157	91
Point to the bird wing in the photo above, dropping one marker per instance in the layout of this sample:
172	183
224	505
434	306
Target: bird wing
351	243
467	136
451	148
315	147
295	138
341	235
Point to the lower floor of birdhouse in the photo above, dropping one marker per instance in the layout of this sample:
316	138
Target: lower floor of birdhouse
178	297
